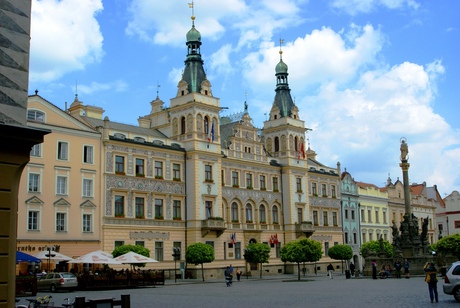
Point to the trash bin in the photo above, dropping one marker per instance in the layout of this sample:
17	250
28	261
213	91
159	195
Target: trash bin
347	274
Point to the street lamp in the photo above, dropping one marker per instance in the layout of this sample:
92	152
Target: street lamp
49	255
176	255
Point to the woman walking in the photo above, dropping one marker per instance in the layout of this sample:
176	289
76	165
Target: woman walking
432	280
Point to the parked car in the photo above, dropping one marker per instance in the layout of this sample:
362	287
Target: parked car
57	281
452	281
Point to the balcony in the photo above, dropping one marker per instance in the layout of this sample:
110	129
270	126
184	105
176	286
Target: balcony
305	227
213	224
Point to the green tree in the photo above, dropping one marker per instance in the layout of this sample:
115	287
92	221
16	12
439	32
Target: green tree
257	253
373	247
340	252
449	245
199	253
304	250
121	250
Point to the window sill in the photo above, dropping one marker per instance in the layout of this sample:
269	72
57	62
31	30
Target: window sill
120	173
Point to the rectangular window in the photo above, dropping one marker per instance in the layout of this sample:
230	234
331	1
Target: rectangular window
371	238
32	220
346	237
87	188
384	217
275	214
88	154
61	222
346	214
119	243
34	182
119	206
238	250
63	150
334	219
139	207
325	220
158	209
457	224
369	215
158	170
222	177
208	205
377	216
277	249
314	190
323	190
61	185
299	215
262	182
87	223
315	218
362	216
333	193
176	172
275	184
235	182
298	183
119	164
210	243
159	251
248	180
353	214
139	243
140	167
208	173
326	248
177	210
36	150
355	239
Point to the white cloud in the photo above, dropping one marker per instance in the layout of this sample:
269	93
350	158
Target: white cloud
354	7
115	86
65	36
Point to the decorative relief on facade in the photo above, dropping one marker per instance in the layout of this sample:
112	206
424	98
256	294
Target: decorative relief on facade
149	167
149	206
130	164
149	235
168	207
108	205
208	158
109	162
130	204
246	195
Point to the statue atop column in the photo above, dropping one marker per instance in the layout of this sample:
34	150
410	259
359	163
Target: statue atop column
404	150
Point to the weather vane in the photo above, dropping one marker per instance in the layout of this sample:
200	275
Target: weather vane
158	89
281	51
190	5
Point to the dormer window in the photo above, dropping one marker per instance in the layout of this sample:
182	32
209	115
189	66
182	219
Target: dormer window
35	116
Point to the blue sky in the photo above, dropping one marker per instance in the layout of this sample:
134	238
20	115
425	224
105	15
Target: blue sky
364	73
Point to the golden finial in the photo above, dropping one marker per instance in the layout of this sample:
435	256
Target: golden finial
281	51
190	5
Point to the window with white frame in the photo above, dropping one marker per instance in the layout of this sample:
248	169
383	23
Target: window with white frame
61	185
34	182
275	184
248	212
139	202
324	190
177	209
333	193
88	154
234	212
158	209
158	169
334	219
87	187
298	183
262	214
248	180
61	222
119	206
176	172
35	116
208	205
235	182
140	167
36	150
314	190
315	218
262	182
299	215
119	164
208	173
33	220
159	251
87	223
325	219
275	214
63	150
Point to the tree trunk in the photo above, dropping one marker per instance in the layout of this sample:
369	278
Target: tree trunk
298	271
202	271
261	270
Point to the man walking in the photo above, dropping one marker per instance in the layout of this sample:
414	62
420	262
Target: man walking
330	269
398	267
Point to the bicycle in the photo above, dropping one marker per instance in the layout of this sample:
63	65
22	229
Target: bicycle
38	302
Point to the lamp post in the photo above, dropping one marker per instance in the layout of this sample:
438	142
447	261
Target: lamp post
176	255
49	255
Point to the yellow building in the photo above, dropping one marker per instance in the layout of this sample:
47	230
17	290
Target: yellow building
59	194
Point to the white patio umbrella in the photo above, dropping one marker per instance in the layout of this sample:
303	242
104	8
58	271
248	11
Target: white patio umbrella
52	255
132	257
96	257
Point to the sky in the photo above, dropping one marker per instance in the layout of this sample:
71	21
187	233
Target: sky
363	73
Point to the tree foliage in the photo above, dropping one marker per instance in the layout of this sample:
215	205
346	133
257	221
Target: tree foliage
121	250
257	253
198	254
449	245
340	252
373	247
304	250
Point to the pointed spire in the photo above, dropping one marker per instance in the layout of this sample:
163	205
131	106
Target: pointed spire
283	99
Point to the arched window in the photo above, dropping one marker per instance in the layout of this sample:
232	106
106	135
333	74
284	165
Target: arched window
277	144
206	125
275	214
182	125
234	212
296	143
35	116
262	218
248	212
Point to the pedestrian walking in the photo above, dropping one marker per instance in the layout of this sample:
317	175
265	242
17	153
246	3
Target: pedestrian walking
374	269
398	267
352	269
238	274
432	280
228	276
406	268
330	269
